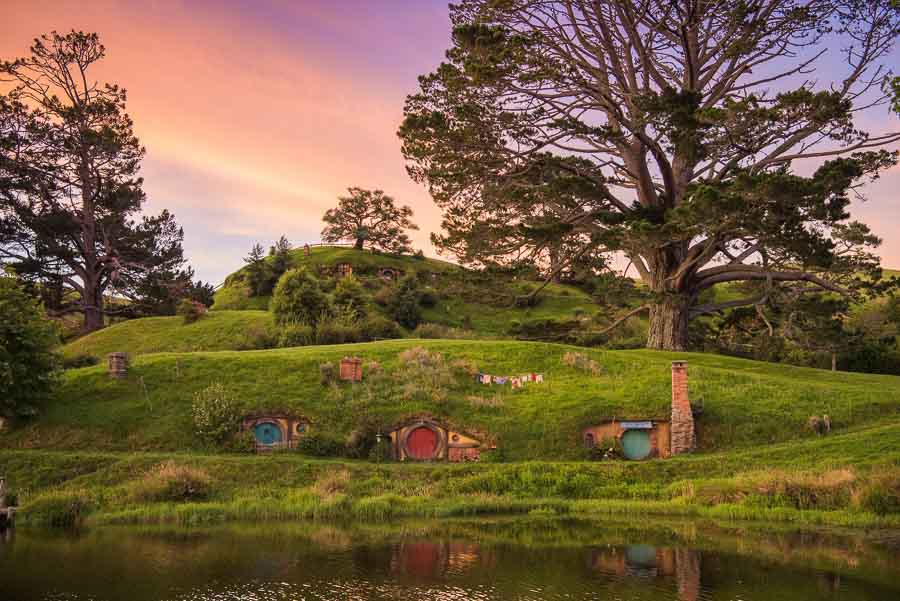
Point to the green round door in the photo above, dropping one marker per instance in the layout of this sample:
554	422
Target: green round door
267	433
636	444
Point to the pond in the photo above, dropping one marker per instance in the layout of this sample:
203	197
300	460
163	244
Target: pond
503	558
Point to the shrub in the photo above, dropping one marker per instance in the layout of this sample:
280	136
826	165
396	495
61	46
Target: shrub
350	295
404	303
328	373
438	331
383	296
376	327
171	482
582	362
242	442
882	495
382	450
319	444
424	375
28	363
334	332
216	413
298	298
256	337
296	334
78	361
189	310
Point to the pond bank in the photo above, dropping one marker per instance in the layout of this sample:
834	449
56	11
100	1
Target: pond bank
779	483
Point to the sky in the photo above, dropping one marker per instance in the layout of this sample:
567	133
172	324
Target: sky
257	115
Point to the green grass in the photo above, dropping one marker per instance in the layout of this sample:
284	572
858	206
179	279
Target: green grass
817	488
745	403
219	330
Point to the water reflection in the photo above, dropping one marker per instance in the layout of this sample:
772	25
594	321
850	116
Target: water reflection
482	561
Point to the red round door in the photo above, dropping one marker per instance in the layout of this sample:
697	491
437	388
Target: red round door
422	443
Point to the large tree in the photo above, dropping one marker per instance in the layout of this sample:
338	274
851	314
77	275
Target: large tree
699	138
70	194
369	217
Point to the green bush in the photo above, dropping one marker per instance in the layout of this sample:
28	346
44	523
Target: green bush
882	495
298	298
189	310
216	413
296	334
350	296
328	373
403	305
319	444
335	332
376	327
171	482
258	337
28	363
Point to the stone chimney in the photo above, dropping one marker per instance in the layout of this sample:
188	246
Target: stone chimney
682	438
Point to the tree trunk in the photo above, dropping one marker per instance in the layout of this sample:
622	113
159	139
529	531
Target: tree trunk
359	244
669	324
93	309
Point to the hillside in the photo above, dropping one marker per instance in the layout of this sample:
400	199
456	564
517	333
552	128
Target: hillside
217	331
745	403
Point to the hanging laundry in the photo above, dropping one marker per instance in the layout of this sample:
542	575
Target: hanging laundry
485	378
516	382
500	380
539	378
534	377
524	379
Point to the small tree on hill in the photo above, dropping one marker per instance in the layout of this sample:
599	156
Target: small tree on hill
281	256
259	272
27	361
369	217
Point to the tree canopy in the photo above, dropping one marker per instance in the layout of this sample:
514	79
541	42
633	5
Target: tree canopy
369	217
28	364
701	139
71	198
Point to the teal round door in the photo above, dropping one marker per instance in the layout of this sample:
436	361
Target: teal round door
636	444
267	433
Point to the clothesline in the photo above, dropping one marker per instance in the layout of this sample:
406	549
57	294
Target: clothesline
514	381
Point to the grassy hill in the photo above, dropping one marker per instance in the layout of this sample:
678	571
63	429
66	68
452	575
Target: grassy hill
745	403
96	449
219	330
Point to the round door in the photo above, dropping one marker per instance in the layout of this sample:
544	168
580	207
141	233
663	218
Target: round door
422	443
267	433
636	444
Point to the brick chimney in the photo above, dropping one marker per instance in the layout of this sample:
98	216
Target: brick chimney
682	439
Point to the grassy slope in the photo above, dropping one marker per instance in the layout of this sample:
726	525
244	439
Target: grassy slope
745	403
220	330
804	482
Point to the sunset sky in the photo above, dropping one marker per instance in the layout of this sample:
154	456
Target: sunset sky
256	115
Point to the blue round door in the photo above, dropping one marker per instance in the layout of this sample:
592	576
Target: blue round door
267	433
636	444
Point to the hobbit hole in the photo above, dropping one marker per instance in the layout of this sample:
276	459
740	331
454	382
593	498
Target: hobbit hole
275	431
427	440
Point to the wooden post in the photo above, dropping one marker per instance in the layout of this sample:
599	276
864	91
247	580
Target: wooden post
117	365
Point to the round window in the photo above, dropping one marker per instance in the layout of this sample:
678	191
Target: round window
267	433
